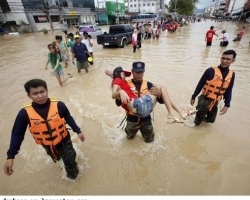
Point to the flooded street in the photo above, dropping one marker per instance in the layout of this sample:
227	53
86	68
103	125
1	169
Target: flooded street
211	159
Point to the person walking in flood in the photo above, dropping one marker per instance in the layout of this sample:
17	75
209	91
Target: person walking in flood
87	40
80	52
209	36
46	118
140	88
57	69
225	39
63	50
142	106
134	40
216	83
240	35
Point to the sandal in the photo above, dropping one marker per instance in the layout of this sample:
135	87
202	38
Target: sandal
171	121
189	113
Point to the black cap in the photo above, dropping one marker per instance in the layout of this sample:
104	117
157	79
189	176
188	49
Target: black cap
120	69
138	67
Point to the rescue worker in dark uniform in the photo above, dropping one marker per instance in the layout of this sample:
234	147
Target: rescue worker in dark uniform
46	118
216	83
142	87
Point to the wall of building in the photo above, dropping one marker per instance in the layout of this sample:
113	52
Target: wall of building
16	12
143	6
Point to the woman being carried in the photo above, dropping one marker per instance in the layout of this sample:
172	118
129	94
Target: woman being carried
143	106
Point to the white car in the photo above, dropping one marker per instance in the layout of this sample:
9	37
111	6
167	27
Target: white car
92	30
248	20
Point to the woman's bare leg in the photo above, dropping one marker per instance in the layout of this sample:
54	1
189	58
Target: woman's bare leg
59	80
63	80
170	104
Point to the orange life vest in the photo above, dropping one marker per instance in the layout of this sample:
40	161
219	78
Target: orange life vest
216	88
47	132
143	90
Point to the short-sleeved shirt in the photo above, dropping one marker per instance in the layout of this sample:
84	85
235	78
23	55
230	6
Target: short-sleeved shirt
124	86
63	46
242	32
225	37
53	61
210	35
71	43
80	52
87	43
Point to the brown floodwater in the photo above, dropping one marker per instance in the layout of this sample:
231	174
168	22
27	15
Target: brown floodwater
212	159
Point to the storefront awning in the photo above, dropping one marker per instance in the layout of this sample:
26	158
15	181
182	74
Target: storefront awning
237	13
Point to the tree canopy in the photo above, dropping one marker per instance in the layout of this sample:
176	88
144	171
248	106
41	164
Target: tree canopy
183	7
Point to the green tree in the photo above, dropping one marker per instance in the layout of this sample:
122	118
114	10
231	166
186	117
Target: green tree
183	7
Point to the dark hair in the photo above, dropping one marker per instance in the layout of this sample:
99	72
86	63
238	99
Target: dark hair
53	56
70	35
34	83
212	27
230	52
117	74
58	37
89	36
77	32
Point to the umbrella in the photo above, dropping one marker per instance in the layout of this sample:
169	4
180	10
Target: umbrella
87	29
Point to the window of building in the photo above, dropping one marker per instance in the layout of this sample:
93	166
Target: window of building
131	5
40	19
131	0
55	18
153	4
43	18
5	6
134	5
148	4
144	4
134	0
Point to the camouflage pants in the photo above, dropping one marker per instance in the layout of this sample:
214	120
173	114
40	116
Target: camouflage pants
66	151
203	113
146	129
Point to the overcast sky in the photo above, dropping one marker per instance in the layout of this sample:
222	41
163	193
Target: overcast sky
201	4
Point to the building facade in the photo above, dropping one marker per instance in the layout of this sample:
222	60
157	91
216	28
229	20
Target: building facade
36	13
115	12
144	6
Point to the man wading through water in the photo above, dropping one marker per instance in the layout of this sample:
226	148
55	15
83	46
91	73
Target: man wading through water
46	118
216	83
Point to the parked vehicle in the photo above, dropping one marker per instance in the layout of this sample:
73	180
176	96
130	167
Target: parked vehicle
143	18
248	20
220	19
91	30
119	35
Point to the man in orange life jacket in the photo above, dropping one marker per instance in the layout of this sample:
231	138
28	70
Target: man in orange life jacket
46	119
141	87
216	83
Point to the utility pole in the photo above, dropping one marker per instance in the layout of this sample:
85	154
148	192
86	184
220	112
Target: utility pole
46	9
175	9
243	10
60	11
117	11
232	7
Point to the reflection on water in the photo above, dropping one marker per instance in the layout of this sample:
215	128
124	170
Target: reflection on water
209	159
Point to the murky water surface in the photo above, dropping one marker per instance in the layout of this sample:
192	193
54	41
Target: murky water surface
209	159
